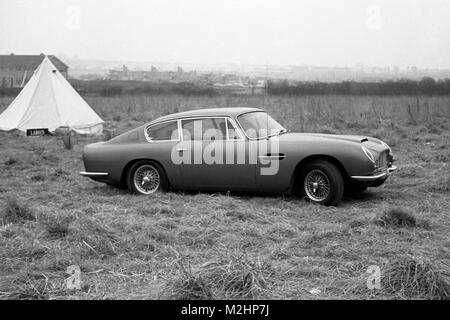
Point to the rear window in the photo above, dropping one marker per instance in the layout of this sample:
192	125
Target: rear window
164	131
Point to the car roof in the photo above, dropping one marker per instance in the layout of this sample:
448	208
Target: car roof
211	112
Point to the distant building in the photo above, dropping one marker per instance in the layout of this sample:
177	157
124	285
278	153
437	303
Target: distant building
154	75
16	70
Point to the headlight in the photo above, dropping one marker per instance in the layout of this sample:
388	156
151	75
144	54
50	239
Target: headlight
368	154
385	144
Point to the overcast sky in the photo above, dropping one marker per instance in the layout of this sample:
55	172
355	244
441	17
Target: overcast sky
282	32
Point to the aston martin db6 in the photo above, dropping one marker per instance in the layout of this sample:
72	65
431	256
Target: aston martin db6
239	150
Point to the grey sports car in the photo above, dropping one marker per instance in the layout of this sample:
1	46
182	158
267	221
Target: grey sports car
238	149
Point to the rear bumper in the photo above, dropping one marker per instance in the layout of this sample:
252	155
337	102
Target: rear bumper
94	174
375	177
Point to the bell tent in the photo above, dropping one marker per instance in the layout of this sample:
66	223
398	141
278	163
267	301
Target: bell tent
48	101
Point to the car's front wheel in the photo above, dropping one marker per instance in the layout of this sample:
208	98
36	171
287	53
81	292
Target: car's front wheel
323	183
146	177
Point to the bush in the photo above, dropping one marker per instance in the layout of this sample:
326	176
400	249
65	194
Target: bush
10	161
117	117
396	218
57	226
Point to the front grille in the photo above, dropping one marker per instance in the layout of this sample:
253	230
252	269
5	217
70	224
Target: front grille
382	161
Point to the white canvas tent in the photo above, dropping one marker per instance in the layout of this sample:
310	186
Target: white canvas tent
48	101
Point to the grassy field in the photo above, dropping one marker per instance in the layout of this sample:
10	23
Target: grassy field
218	246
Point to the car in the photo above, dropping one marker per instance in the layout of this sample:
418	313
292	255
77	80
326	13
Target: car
238	150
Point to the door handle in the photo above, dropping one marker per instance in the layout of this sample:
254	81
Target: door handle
279	156
181	149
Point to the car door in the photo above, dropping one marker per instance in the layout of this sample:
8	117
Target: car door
274	167
215	152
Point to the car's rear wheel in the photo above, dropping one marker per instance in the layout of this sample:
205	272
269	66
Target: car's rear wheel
322	183
146	177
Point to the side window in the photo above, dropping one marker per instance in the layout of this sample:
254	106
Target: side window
164	131
206	129
233	134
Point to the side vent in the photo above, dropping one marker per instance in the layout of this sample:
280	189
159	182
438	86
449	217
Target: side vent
364	140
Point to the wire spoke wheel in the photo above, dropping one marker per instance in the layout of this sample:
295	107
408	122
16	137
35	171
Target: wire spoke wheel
147	179
317	185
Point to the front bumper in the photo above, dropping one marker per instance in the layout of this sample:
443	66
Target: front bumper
380	176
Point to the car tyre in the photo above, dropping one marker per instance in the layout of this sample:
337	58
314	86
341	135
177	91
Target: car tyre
322	182
146	177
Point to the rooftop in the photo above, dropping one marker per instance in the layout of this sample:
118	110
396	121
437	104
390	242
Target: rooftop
28	61
217	112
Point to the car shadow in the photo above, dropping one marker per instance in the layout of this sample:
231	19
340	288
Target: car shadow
363	196
246	195
111	191
105	190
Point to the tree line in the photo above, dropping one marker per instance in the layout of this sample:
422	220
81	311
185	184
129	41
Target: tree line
119	87
425	86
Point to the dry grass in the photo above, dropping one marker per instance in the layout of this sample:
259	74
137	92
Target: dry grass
57	225
16	211
24	287
187	286
233	245
223	278
409	278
